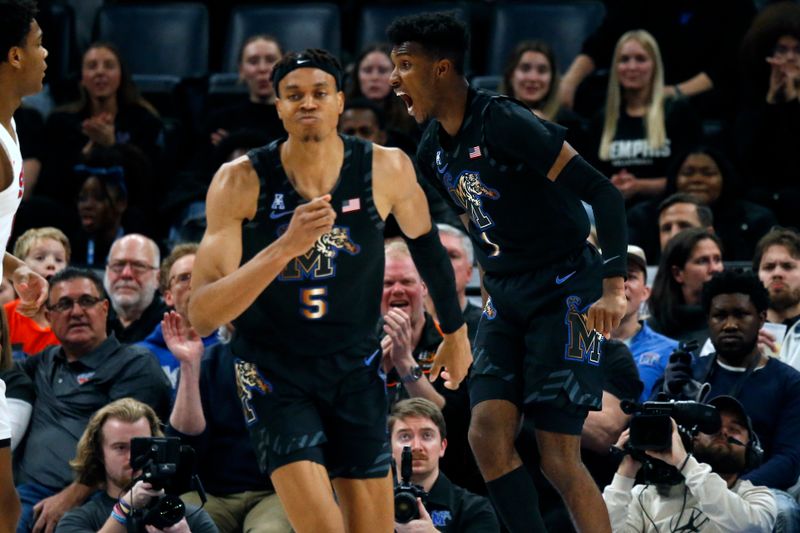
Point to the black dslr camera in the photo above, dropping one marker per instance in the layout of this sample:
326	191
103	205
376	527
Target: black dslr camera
406	493
165	464
651	429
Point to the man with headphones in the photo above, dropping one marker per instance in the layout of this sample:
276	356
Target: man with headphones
712	496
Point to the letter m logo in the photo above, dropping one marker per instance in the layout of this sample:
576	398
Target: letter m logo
582	345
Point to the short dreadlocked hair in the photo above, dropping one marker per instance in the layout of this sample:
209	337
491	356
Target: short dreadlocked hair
736	281
441	35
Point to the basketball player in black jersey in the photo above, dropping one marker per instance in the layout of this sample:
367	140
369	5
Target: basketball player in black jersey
293	255
518	187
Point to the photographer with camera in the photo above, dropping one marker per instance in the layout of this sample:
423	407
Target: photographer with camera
418	424
104	459
704	491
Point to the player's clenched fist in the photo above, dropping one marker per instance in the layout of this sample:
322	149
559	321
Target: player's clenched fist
309	221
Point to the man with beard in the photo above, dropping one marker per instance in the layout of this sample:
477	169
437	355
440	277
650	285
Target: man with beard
103	458
736	305
712	496
131	281
777	261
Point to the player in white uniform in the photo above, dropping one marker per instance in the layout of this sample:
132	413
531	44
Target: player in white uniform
22	66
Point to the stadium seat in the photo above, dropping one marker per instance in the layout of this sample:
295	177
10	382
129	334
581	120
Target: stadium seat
162	42
85	12
296	26
490	83
58	27
563	25
376	18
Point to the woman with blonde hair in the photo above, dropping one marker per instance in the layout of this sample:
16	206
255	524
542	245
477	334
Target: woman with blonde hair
640	127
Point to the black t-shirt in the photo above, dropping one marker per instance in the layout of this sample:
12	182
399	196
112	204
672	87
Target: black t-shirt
30	129
630	150
140	328
495	171
456	510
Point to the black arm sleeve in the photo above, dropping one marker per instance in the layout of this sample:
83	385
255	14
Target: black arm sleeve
436	270
609	212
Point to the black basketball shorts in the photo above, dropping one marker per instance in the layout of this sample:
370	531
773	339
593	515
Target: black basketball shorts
330	410
532	347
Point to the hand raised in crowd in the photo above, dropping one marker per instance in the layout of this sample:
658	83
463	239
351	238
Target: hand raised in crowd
100	129
423	524
455	355
181	339
180	527
783	79
309	222
676	455
31	288
218	136
397	326
767	342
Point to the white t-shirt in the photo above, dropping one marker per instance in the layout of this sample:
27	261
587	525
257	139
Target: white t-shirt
5	427
12	195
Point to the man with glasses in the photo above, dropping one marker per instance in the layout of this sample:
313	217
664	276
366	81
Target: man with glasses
131	280
71	381
175	284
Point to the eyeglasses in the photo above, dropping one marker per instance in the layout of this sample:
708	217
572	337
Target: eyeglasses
181	279
66	304
137	267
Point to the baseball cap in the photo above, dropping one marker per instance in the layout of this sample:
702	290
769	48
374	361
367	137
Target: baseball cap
637	257
732	405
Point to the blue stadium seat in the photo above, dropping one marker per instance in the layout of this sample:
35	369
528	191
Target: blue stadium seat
85	16
563	25
376	18
491	83
296	26
158	42
58	27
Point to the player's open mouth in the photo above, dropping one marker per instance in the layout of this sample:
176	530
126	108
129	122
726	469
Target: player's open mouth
407	100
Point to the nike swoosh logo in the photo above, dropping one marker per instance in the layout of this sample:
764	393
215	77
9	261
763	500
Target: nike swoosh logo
301	61
368	360
562	279
610	259
443	169
274	216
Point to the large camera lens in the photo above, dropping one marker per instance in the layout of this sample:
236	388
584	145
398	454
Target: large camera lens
167	512
405	507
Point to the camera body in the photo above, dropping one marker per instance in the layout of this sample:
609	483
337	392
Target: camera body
406	493
167	465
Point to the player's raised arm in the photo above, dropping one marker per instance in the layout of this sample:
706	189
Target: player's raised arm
221	288
397	191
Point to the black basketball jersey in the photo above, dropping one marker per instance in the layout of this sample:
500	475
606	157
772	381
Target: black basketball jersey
328	299
519	219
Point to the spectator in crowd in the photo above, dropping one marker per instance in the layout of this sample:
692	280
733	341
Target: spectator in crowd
711	497
640	127
208	416
531	76
46	251
777	261
653	223
110	113
370	80
768	122
71	382
175	278
699	48
102	459
19	394
131	279
735	303
650	350
419	424
706	173
365	119
689	260
409	344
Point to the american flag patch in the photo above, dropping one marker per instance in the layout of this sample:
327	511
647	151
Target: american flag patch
474	152
353	204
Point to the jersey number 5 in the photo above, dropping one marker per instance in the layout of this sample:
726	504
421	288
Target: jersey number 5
313	303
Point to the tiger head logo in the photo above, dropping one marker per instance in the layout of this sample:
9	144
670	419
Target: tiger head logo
248	381
338	238
470	189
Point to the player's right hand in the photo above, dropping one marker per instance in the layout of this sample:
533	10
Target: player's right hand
309	221
455	355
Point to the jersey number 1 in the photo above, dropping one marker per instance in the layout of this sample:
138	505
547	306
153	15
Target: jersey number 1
313	303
